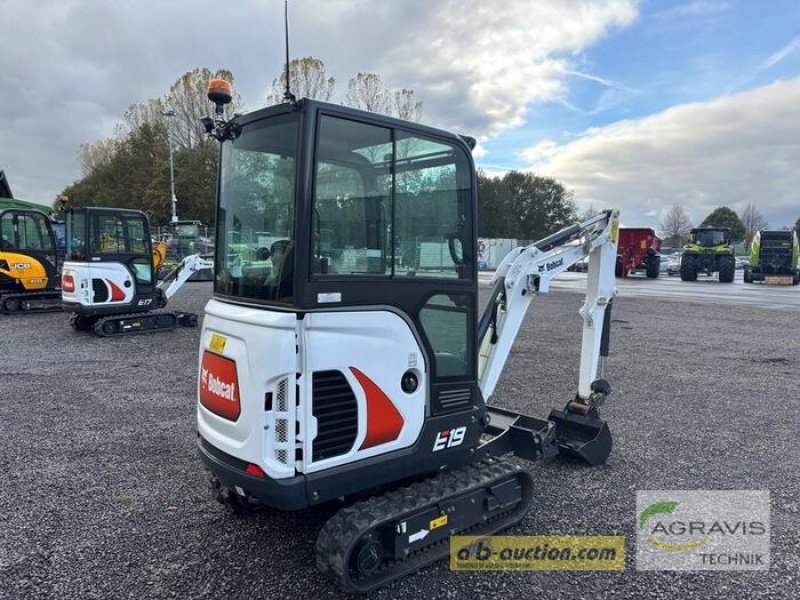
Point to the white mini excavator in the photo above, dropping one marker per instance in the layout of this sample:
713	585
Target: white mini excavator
342	357
108	281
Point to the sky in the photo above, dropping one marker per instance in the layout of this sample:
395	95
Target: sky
633	105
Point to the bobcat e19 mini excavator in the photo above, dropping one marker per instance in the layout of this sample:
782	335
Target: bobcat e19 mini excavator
28	262
108	281
346	360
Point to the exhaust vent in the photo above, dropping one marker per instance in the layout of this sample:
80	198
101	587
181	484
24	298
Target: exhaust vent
336	410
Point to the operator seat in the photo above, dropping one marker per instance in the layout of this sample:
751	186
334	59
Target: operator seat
282	253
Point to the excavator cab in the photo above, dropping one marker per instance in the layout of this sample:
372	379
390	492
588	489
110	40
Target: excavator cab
109	262
28	261
322	209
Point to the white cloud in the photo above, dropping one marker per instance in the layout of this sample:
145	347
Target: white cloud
729	151
78	64
480	65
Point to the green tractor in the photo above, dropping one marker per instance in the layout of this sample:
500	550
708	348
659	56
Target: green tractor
710	250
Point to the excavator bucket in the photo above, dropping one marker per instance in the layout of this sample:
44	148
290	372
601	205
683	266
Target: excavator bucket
582	435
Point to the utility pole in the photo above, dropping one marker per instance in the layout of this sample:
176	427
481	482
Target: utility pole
171	113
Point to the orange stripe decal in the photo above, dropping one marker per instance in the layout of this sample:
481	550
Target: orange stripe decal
384	421
116	292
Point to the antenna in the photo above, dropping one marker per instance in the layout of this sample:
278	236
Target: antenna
288	96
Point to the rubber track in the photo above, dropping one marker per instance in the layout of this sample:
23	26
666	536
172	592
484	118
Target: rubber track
98	326
34	297
340	535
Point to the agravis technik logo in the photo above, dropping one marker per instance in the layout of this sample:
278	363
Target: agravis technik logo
703	530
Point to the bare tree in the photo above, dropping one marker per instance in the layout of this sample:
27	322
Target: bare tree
307	78
96	154
146	113
753	221
406	105
675	226
188	99
366	91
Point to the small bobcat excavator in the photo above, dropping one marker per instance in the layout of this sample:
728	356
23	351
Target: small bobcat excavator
28	262
108	281
346	360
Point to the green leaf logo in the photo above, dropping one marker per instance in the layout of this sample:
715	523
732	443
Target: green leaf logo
659	508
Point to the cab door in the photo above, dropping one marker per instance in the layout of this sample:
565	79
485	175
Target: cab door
28	248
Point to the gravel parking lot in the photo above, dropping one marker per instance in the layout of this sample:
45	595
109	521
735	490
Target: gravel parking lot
105	497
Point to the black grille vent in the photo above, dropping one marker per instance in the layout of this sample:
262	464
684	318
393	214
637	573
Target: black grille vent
452	400
100	290
336	411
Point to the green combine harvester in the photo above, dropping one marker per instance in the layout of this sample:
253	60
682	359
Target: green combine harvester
773	258
710	250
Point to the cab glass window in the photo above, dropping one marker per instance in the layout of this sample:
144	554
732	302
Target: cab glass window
352	200
388	203
76	235
444	319
106	234
432	193
256	218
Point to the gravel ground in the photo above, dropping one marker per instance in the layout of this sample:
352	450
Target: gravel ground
105	496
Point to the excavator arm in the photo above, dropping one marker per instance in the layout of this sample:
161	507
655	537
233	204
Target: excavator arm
174	280
523	274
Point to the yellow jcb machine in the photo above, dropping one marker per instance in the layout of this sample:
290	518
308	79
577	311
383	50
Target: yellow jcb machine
29	269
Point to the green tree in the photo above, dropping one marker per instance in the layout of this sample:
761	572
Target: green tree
725	217
523	206
491	209
797	226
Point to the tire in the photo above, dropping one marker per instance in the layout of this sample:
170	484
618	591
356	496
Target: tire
727	269
748	276
796	278
618	269
653	266
688	268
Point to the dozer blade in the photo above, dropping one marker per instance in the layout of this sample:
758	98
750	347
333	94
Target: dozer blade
581	435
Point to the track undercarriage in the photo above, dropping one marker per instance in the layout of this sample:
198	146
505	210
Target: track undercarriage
115	325
30	302
396	533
